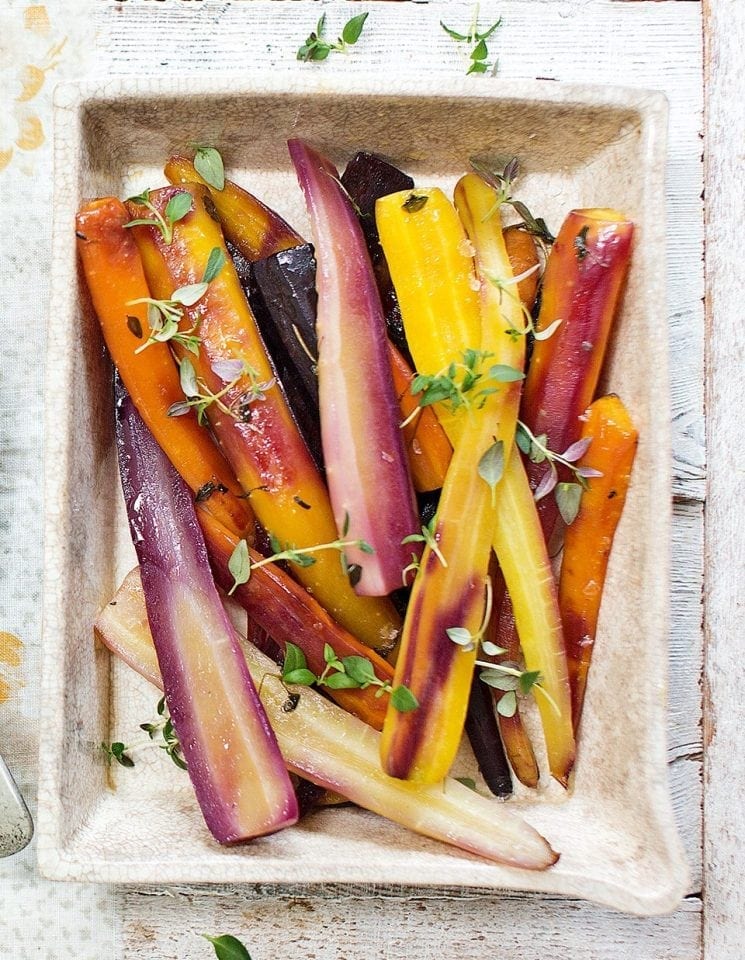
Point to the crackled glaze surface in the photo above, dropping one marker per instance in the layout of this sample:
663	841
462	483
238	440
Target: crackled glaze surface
583	146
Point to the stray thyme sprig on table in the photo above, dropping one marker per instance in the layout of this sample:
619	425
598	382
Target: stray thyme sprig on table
162	727
317	48
480	52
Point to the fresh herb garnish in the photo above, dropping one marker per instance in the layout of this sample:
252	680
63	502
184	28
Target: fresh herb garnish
317	48
353	672
208	164
468	641
201	398
502	181
163	728
511	680
480	52
461	383
414	202
429	539
508	288
118	751
491	467
241	566
228	947
164	316
568	495
176	209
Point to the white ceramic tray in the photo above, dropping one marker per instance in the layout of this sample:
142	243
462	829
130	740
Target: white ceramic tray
581	146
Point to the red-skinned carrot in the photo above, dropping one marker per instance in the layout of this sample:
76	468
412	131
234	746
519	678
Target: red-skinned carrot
581	291
327	746
589	538
230	749
290	615
252	422
118	289
256	230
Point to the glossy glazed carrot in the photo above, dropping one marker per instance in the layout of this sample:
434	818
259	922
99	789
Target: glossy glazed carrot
289	614
588	540
329	747
523	254
257	434
114	275
429	255
257	231
582	287
234	762
369	484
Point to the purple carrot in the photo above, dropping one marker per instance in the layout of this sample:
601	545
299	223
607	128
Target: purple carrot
369	483
233	759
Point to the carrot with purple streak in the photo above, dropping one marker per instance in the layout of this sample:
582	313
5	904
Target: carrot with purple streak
366	467
262	443
232	756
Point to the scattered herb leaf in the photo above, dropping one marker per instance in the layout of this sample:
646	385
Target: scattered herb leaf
228	947
414	202
491	467
208	164
176	209
479	52
317	48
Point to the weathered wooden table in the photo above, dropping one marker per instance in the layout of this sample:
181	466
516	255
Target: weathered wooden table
637	43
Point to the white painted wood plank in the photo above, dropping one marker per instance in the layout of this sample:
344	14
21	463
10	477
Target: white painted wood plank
724	840
653	45
644	44
335	923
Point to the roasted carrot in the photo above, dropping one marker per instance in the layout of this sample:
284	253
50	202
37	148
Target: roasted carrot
115	279
289	614
521	250
427	446
257	231
252	423
431	264
582	288
588	540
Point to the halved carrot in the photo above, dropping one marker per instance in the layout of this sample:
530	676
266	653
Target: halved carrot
115	278
260	440
588	540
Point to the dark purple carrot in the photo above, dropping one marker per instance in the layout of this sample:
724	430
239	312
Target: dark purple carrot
368	177
233	759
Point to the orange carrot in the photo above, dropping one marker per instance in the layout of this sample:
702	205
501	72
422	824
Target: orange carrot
115	278
521	250
257	231
258	435
588	540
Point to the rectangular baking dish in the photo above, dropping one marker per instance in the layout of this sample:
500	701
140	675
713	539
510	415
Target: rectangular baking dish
580	146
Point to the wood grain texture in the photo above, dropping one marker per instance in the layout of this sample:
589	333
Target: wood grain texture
335	923
647	44
724	840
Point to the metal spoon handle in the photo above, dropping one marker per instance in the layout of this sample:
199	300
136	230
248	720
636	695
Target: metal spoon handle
16	825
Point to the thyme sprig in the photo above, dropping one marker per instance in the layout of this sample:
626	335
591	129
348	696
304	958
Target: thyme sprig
176	209
429	539
353	673
479	53
161	728
468	641
509	678
241	566
568	494
316	47
201	398
164	316
456	385
503	181
507	287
